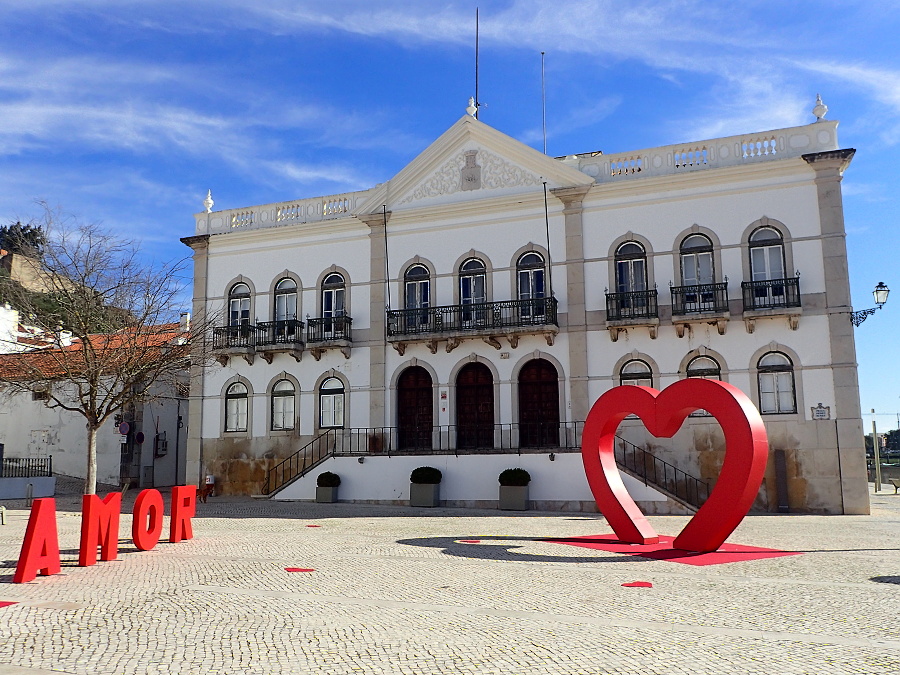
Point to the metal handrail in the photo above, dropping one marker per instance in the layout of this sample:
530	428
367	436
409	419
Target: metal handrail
771	293
472	317
632	305
227	337
661	474
328	329
699	298
306	458
500	439
284	331
26	467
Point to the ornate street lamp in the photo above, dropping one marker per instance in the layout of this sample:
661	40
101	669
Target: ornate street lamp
881	295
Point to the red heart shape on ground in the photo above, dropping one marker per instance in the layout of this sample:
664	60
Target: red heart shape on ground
663	413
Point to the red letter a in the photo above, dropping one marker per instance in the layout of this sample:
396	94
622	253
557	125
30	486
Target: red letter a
40	549
184	503
99	527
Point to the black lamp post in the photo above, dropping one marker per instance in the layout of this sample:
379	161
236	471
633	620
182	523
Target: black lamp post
881	295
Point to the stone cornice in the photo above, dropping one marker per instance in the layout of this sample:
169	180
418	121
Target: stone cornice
831	159
197	241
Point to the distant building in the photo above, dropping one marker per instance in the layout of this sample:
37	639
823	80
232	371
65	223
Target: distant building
467	313
144	446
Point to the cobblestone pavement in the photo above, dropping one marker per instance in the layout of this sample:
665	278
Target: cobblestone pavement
395	590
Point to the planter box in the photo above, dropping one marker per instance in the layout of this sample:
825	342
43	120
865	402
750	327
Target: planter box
326	495
424	494
514	497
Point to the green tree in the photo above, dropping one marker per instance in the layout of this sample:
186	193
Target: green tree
28	240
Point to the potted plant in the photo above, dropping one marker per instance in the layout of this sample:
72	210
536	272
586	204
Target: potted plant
425	486
327	487
514	489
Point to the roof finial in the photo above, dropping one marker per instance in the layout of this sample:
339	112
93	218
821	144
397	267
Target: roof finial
820	110
208	202
471	109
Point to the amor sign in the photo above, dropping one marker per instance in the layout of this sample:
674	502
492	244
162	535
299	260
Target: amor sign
663	412
100	527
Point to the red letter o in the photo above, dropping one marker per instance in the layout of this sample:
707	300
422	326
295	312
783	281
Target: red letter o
149	503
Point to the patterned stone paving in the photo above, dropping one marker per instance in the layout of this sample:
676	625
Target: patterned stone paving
395	590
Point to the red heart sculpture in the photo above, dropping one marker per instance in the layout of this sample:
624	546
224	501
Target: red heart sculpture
746	453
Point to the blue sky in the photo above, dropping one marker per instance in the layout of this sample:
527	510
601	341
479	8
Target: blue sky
127	111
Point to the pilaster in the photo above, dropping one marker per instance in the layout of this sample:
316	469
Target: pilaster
576	328
829	168
193	465
377	223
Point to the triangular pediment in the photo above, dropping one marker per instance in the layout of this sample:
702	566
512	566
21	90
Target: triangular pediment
471	161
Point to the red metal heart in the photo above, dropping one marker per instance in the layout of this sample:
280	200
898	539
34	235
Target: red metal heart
746	453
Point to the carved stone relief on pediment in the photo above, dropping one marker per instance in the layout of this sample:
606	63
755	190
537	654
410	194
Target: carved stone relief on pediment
472	170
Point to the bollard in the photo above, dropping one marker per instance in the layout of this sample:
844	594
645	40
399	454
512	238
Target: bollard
29	494
2	515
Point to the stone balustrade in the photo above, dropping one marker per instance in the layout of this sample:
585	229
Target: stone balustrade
711	154
275	215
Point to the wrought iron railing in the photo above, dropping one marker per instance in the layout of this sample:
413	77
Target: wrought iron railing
699	298
284	332
497	439
660	474
304	460
771	294
460	439
475	317
632	305
328	329
228	337
26	467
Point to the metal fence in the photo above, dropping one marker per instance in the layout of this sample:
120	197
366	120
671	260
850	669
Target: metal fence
26	467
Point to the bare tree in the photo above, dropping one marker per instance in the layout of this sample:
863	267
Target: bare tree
111	321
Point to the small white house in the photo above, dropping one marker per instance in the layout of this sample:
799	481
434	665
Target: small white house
467	312
145	446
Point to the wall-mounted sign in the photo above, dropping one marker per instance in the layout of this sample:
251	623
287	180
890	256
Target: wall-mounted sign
821	412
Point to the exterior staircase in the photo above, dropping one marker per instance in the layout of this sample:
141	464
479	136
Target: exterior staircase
679	486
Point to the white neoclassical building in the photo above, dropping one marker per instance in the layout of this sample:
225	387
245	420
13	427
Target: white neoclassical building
466	313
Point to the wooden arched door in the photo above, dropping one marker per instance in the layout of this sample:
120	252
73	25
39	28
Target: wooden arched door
538	405
475	407
415	409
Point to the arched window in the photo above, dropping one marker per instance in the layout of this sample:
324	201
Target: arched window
776	384
531	287
334	290
770	287
417	294
331	404
766	254
418	287
239	305
631	268
236	404
283	405
636	372
285	300
697	261
705	368
472	290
